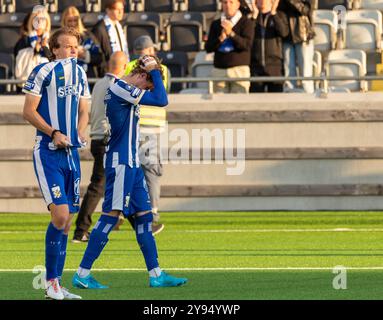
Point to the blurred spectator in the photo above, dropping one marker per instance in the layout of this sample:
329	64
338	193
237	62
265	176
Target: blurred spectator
109	32
298	46
231	38
267	55
32	47
89	51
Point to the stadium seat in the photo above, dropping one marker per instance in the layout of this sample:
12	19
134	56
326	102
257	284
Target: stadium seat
364	29
10	30
203	5
7	6
143	23
26	6
89	19
55	20
185	31
347	62
93	5
177	62
371	4
158	5
317	66
201	67
330	4
79	4
325	24
180	5
6	69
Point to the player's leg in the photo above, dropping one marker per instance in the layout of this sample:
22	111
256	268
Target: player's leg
53	242
96	244
140	204
112	206
72	179
52	186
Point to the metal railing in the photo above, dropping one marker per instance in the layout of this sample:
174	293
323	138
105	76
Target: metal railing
323	80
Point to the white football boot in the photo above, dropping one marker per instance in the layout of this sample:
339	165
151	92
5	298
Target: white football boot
68	295
53	290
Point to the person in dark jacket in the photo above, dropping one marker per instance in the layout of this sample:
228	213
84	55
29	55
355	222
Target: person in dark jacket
267	56
231	38
109	33
298	46
89	51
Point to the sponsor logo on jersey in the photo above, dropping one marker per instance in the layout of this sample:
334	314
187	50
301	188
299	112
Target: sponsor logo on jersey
77	187
56	192
67	91
29	85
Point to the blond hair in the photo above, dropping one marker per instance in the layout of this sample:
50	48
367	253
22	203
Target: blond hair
72	11
33	15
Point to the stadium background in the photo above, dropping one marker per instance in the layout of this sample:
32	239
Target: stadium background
303	153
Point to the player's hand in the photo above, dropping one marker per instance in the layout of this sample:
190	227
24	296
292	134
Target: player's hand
148	63
82	138
60	140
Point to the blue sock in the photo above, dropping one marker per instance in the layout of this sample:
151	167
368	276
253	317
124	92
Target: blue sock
145	239
52	250
62	256
97	240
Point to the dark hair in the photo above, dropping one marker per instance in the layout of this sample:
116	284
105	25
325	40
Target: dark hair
137	69
109	4
53	40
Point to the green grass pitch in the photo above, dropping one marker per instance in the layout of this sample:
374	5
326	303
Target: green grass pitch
225	255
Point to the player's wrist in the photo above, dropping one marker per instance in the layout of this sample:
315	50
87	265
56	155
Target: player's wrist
54	132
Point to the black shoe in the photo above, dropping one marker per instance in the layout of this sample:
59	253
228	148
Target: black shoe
84	238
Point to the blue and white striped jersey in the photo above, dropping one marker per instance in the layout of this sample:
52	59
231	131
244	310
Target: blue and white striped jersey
123	113
60	84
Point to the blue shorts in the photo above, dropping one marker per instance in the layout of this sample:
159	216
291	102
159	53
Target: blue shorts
58	173
125	190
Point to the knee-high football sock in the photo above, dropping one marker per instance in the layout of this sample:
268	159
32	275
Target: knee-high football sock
97	240
145	239
62	256
53	238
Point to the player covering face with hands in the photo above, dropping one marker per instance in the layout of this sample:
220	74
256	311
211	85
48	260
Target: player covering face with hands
126	191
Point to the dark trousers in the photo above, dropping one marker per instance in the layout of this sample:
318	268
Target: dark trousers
95	189
94	192
266	87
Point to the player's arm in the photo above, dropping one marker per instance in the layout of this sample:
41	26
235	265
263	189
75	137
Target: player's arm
33	117
83	118
157	96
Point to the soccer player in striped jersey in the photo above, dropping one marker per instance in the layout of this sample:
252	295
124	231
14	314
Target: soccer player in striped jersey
126	191
56	104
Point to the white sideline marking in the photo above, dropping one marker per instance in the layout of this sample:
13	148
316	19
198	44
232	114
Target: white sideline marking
238	230
215	269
